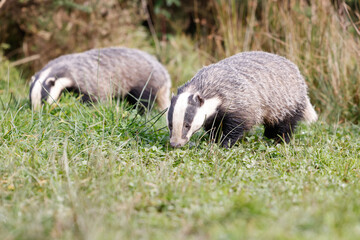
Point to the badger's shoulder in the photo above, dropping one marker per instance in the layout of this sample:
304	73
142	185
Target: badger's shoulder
121	53
262	61
130	60
215	80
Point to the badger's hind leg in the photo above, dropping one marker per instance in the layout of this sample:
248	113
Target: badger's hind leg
143	98
163	97
283	130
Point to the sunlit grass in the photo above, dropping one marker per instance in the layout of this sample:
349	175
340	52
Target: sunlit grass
78	171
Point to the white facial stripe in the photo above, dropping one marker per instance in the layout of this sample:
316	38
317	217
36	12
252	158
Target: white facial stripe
179	114
197	123
60	85
36	90
206	110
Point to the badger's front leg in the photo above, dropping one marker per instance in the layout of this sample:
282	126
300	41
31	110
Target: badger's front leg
233	129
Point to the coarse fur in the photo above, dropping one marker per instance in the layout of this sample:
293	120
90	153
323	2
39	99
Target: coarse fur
231	96
100	74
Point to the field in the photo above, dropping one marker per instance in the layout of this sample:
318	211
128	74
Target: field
104	172
77	171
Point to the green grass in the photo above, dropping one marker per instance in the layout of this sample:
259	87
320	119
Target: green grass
103	172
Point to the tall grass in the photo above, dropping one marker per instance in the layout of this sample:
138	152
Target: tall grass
321	42
182	58
11	81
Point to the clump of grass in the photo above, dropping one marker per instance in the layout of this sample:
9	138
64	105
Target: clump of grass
11	81
182	58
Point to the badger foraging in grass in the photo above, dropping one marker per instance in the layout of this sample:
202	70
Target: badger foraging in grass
231	96
102	73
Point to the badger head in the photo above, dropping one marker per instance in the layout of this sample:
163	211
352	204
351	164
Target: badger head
47	86
187	114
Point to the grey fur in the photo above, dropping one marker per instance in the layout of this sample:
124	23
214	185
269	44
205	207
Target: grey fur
109	72
254	88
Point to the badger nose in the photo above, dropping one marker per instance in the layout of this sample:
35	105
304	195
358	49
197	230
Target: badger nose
174	144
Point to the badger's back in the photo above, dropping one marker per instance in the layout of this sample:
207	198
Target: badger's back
112	71
109	72
260	86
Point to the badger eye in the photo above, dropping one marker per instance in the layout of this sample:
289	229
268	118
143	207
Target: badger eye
187	126
170	126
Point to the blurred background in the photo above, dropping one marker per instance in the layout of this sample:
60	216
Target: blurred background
320	36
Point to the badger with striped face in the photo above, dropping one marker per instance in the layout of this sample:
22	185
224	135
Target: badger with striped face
187	114
47	86
230	97
100	74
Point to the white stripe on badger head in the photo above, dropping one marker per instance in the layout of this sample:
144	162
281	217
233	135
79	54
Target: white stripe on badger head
207	110
179	115
35	94
56	90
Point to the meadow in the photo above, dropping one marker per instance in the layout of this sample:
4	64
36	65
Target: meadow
102	171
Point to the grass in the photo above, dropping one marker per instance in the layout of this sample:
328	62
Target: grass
103	172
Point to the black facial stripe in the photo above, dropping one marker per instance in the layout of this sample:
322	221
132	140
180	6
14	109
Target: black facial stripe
190	113
190	110
171	109
45	90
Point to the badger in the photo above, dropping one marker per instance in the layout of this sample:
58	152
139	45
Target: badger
231	96
100	74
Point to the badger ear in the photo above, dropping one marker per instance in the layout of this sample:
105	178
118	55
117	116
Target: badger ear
51	81
198	99
172	95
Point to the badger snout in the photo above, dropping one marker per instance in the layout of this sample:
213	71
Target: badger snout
35	106
178	142
175	145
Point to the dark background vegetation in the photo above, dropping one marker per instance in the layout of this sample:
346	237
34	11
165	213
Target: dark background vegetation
321	37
